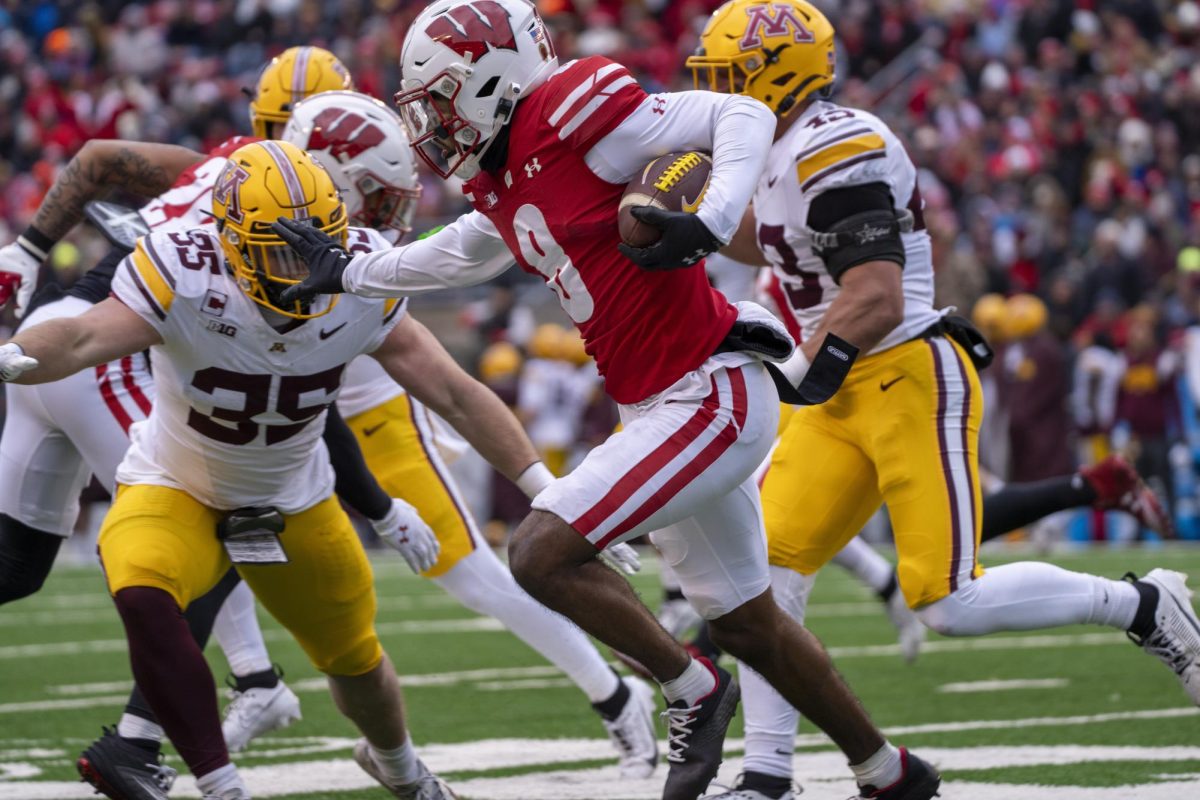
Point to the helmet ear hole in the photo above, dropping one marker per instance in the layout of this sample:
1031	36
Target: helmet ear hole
489	88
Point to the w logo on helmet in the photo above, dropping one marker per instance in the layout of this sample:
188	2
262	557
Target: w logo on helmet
344	134
771	20
472	29
228	190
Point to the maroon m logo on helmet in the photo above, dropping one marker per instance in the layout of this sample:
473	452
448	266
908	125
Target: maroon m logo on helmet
472	29
343	133
228	190
769	20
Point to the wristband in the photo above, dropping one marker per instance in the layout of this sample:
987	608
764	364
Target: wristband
36	243
796	367
534	479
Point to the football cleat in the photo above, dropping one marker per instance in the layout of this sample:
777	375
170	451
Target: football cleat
909	629
236	793
695	736
1176	637
632	732
120	769
426	787
1119	486
256	711
918	781
746	789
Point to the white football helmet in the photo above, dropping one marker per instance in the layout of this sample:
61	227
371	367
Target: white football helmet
363	146
464	66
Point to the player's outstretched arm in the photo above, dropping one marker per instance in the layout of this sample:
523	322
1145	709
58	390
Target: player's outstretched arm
419	363
743	247
61	347
100	166
465	252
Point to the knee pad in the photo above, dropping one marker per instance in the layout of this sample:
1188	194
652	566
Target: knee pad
953	615
791	590
26	556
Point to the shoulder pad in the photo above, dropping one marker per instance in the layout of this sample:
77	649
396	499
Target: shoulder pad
588	98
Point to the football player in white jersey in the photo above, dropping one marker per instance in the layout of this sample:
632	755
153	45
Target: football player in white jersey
362	144
837	214
243	380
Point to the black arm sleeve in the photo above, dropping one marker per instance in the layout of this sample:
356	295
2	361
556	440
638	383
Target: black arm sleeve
864	219
354	482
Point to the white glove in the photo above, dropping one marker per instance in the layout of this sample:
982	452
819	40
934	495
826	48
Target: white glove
18	274
14	362
404	530
622	558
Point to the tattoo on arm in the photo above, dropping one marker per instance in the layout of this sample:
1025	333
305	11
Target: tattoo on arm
88	176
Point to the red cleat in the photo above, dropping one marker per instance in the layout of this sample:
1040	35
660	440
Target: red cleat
1119	486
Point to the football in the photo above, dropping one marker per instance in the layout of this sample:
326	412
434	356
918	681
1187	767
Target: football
674	182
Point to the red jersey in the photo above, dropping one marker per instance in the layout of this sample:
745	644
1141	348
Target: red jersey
646	330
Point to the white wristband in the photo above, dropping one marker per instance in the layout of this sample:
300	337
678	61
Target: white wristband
796	367
535	478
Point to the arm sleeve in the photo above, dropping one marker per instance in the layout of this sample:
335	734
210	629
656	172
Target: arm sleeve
353	482
737	130
466	252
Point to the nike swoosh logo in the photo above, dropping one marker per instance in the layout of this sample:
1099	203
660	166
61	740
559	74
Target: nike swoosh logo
371	430
693	206
324	334
883	387
771	185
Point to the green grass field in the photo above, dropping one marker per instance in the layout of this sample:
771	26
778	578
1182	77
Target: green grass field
1075	713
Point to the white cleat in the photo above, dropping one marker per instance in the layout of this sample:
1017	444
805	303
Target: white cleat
236	793
254	712
1176	636
909	628
427	787
739	792
677	617
632	732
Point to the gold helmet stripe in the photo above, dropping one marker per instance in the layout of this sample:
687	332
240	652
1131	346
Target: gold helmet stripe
290	179
300	74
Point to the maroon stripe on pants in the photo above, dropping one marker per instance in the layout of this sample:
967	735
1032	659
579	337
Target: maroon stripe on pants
966	418
649	466
956	548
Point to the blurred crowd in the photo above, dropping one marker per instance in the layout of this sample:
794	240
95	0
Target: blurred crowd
1056	142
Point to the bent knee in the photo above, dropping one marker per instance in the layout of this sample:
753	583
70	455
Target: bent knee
348	656
950	616
542	545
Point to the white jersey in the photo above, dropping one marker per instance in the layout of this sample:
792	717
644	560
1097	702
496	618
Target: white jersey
367	386
831	147
240	406
553	396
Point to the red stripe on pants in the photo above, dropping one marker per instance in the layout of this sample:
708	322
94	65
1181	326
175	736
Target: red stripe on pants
110	398
649	466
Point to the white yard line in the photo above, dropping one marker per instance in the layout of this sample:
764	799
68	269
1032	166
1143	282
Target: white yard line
824	774
970	687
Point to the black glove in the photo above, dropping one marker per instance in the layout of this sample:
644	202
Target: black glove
325	256
685	240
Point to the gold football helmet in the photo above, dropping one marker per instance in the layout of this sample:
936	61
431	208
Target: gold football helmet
989	314
1026	316
290	77
777	52
260	183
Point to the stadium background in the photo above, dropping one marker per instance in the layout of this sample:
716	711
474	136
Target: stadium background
1058	149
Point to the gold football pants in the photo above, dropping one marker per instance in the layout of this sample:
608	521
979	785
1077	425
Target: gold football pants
903	430
161	537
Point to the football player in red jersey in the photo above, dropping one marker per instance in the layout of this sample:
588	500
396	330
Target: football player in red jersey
546	151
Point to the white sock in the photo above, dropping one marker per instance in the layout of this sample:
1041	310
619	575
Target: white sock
1030	596
770	720
861	559
880	770
239	635
220	780
770	726
399	765
695	683
482	583
132	726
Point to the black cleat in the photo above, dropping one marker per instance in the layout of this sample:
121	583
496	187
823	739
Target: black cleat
918	781
124	770
695	736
